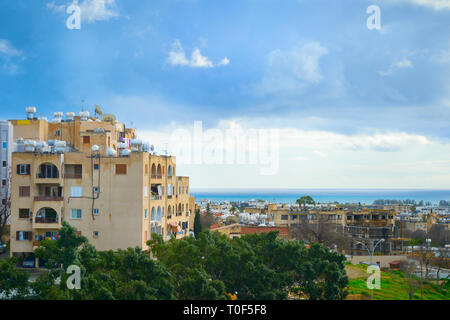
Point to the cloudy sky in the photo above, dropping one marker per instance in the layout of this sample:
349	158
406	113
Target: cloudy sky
345	106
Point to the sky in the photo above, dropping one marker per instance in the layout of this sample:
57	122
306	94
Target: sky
248	93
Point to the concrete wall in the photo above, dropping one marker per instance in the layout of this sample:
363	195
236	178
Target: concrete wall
383	261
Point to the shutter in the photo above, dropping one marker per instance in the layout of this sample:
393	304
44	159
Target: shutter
18	169
17	235
28	169
30	236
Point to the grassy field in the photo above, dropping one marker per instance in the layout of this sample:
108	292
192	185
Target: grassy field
394	286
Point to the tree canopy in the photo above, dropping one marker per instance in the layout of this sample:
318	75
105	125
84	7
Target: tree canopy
208	267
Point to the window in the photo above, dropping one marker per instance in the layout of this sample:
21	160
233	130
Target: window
3	182
146	213
96	166
5	164
96	212
48	171
23	169
24	213
57	133
4	144
169	190
284	217
24	191
146	169
86	140
121	169
95	234
76	192
73	171
153	217
24	235
146	192
75	214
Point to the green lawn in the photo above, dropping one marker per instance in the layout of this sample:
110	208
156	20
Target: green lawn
394	286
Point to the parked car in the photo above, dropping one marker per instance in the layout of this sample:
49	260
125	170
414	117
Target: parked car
29	262
2	247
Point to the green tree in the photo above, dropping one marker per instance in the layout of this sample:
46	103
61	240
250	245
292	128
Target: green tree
124	274
13	283
303	201
197	223
208	209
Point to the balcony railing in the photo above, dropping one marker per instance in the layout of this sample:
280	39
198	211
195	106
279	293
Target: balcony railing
47	176
46	198
156	176
156	197
46	220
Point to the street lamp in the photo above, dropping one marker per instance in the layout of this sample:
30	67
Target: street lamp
371	253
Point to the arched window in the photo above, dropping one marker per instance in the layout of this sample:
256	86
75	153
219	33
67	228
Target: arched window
158	172
153	171
46	215
158	214
179	208
169	171
48	171
152	217
169	211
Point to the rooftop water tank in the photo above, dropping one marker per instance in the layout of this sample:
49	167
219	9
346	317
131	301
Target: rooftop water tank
111	152
122	145
125	152
70	116
84	115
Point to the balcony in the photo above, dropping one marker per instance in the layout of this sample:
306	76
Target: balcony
47	218
156	176
155	197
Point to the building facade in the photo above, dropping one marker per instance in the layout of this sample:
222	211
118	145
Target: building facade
6	135
94	174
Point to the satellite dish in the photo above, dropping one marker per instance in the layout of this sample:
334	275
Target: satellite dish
98	110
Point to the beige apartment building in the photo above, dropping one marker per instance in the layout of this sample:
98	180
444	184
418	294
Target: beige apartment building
93	173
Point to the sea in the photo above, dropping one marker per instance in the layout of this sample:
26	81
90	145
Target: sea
363	196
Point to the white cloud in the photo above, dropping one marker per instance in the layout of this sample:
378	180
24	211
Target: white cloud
91	10
7	48
404	63
200	61
433	4
292	71
55	8
224	62
177	57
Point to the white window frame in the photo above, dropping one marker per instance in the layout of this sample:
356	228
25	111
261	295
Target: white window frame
76	192
23	169
76	210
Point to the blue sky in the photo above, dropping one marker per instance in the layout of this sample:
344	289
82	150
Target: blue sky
353	107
